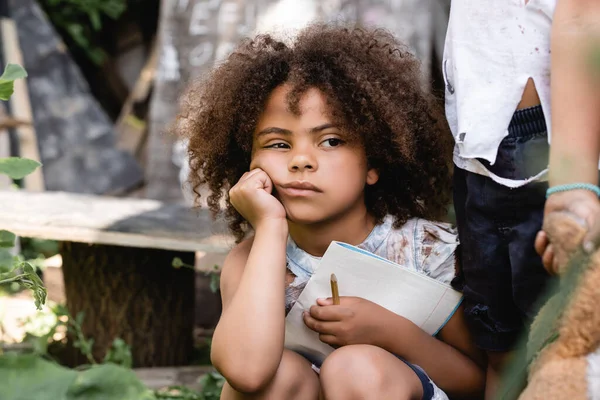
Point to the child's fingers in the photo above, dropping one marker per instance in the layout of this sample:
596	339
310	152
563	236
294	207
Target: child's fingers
549	260
325	302
541	242
249	174
323	327
331	340
329	313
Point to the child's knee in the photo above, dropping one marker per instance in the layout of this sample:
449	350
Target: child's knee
294	379
368	372
354	371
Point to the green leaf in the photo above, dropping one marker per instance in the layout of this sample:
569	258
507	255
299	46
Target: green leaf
17	167
215	282
79	318
7	239
107	382
95	20
11	73
119	353
29	377
212	385
33	282
6	260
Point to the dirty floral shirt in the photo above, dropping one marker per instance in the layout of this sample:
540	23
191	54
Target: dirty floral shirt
419	245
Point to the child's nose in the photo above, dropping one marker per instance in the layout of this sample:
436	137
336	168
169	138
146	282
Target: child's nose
301	161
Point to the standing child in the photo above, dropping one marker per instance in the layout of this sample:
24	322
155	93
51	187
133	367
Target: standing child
497	67
329	138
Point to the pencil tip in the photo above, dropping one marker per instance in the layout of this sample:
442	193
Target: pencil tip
333	278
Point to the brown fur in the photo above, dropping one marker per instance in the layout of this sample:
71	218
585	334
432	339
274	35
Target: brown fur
559	372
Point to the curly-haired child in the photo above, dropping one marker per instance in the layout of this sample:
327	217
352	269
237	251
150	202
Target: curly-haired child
328	138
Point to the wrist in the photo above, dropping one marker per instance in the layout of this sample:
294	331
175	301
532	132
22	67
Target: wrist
394	334
272	225
580	189
568	168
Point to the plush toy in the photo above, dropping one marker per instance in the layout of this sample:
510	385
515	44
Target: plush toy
564	341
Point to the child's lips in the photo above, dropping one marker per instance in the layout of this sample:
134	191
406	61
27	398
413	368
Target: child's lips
299	188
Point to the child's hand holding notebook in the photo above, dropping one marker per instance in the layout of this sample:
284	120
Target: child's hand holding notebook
426	302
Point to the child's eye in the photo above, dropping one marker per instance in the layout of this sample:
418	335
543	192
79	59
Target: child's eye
279	145
332	142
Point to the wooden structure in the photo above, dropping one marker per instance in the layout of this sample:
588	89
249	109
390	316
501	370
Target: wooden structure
75	138
195	34
117	264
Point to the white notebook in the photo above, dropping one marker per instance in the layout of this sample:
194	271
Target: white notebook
423	300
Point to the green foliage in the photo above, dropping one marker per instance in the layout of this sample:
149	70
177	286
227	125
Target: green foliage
30	377
119	353
8	78
81	19
108	381
17	167
6	260
34	248
26	276
7	239
11	269
215	277
212	385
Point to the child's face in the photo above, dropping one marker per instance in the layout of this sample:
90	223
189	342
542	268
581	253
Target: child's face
318	172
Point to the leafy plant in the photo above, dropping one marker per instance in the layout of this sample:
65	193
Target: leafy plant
8	78
28	376
215	277
69	16
13	269
17	167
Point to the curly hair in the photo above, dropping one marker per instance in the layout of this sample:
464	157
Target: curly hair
373	86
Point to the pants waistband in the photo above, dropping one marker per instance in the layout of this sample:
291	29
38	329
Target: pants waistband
526	122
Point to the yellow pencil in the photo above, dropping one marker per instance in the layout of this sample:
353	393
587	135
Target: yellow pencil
335	294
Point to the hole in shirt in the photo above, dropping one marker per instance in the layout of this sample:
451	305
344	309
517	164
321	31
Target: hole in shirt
530	97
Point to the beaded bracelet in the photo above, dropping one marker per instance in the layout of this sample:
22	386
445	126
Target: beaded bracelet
573	186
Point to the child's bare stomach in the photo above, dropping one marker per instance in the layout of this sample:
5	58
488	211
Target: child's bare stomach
530	96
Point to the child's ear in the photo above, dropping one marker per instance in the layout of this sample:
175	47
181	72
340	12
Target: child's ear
372	176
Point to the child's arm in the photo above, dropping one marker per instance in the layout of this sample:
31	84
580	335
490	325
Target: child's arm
248	341
453	363
575	84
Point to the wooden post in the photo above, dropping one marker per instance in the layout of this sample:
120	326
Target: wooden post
134	294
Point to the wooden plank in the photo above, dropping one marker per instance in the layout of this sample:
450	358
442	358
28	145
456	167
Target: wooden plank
20	105
109	220
161	377
5	181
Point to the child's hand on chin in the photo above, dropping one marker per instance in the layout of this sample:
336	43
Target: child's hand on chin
252	198
354	321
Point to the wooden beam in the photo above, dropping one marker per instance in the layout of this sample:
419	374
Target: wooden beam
131	130
111	221
20	105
